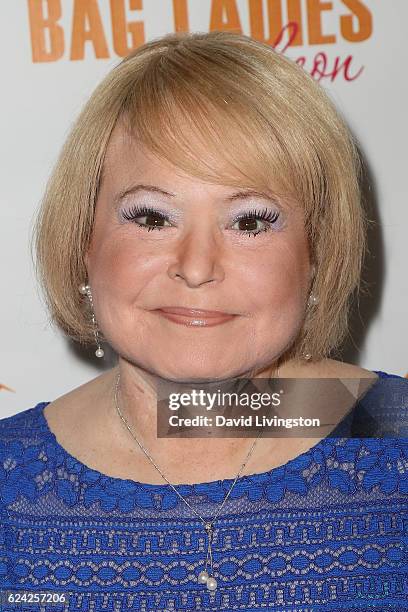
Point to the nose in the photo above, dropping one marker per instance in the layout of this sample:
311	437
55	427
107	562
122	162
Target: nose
197	257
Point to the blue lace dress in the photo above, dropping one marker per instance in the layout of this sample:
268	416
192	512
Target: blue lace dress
325	531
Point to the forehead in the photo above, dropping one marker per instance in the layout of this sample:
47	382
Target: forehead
128	160
125	155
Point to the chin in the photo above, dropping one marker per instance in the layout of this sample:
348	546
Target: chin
194	374
198	377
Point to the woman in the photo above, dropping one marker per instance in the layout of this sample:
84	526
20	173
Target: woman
206	173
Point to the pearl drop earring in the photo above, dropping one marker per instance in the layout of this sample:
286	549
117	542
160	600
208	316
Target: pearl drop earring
86	290
312	301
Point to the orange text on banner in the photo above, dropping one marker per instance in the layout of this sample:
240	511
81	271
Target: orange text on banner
49	39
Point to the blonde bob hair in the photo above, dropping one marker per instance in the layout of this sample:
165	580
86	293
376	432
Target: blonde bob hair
259	121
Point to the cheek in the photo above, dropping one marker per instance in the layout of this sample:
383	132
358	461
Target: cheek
120	274
117	267
278	293
279	277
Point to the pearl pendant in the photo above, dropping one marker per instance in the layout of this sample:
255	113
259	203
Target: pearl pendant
99	352
203	577
83	288
211	583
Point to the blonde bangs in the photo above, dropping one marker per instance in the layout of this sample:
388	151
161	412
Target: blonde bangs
213	118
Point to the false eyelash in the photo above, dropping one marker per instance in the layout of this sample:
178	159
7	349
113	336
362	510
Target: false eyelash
141	211
265	215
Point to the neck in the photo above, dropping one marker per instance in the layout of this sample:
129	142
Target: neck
179	458
139	391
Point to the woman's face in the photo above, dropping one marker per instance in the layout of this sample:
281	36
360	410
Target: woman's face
202	257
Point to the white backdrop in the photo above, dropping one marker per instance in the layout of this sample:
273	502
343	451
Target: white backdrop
49	69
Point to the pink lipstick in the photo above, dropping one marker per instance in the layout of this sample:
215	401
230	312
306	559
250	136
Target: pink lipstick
195	317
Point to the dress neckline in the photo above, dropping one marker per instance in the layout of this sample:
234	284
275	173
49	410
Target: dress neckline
322	446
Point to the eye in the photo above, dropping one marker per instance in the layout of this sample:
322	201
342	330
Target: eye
248	221
153	217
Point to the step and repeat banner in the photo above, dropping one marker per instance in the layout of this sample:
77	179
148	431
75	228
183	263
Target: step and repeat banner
55	52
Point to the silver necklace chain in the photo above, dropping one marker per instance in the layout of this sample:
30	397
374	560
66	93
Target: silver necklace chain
204	577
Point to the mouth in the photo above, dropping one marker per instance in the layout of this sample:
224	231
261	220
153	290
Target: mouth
194	312
193	317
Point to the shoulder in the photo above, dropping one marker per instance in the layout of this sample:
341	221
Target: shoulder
325	368
386	383
18	433
22	425
70	415
380	398
381	410
331	368
22	440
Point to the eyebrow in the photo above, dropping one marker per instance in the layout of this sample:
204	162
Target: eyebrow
140	187
248	193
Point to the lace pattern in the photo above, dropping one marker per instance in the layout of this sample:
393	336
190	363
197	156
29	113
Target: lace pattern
325	531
